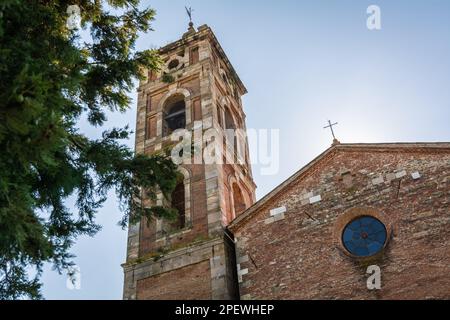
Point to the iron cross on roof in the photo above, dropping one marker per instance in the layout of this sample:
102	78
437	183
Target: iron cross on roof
330	125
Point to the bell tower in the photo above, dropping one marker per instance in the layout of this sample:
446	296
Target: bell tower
197	91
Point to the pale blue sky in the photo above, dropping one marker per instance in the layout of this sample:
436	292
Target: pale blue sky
302	62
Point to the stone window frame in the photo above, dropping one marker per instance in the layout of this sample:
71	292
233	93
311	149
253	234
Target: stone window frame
187	207
162	103
223	76
239	133
173	110
233	181
350	215
220	116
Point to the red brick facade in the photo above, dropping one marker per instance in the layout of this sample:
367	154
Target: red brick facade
299	254
180	284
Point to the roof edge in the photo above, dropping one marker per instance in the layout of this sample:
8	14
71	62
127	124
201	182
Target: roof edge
438	146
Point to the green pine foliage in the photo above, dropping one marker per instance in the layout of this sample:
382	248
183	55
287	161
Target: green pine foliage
49	79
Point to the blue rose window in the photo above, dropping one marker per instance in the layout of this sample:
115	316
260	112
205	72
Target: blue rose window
364	236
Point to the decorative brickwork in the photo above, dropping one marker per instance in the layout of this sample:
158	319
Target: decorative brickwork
180	284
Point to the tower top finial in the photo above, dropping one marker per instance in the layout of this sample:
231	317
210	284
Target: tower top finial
189	13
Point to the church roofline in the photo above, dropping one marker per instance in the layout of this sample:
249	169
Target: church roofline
379	147
206	32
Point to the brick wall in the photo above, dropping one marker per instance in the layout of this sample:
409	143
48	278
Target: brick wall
186	283
298	254
204	270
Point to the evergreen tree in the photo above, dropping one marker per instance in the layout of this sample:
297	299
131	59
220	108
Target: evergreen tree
49	79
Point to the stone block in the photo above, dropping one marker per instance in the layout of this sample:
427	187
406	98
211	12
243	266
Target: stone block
277	211
315	199
400	174
377	180
243	271
278	217
242	259
269	220
415	175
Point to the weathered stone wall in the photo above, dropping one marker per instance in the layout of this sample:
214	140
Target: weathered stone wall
298	254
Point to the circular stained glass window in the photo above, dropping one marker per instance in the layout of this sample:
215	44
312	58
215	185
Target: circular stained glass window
364	236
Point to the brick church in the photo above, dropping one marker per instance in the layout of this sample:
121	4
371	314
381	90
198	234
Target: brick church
315	236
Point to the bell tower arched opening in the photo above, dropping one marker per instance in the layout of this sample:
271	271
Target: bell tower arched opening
238	200
174	115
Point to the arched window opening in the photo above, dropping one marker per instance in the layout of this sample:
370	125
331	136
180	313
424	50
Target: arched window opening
178	203
219	117
238	199
224	78
174	115
229	121
231	134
